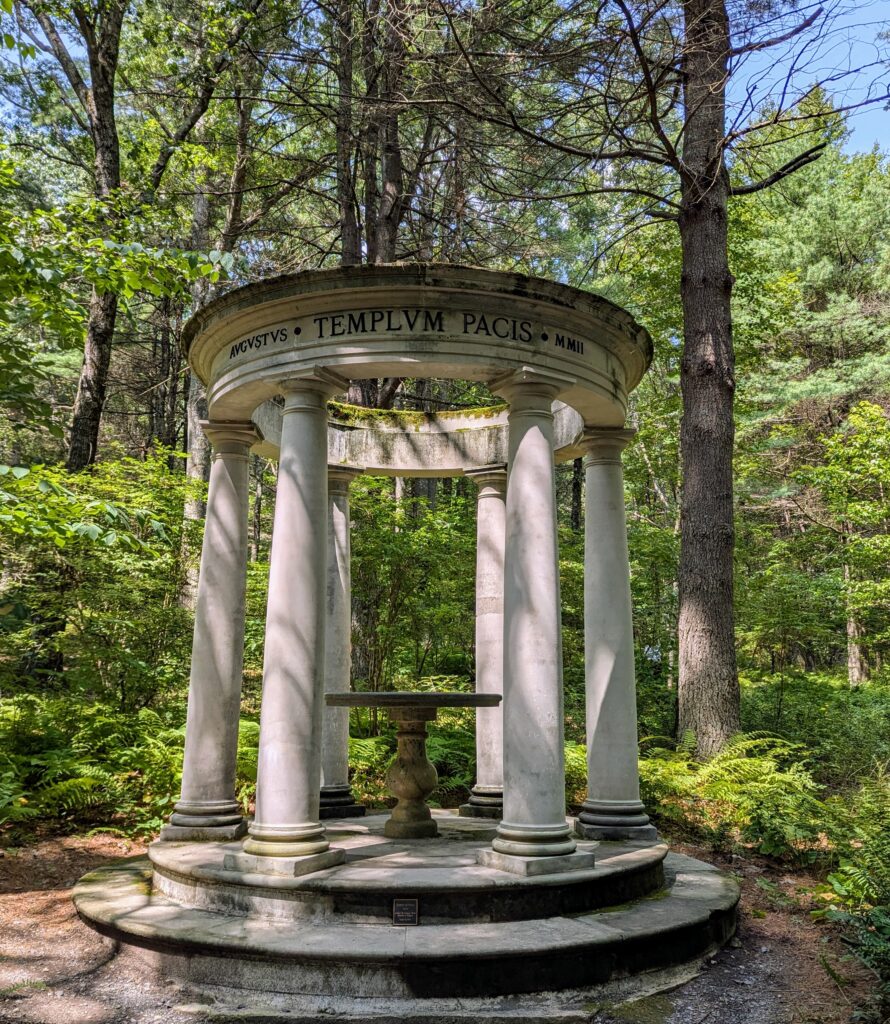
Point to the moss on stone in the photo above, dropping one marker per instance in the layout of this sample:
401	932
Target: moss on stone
648	1010
405	419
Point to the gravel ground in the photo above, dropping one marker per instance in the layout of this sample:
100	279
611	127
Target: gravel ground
782	969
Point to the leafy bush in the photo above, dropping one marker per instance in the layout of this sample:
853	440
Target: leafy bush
368	760
845	730
758	790
576	774
89	599
857	893
65	764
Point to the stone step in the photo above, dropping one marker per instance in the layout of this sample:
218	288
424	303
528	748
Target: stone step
693	914
444	873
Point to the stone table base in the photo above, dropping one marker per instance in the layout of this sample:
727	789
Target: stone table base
412	776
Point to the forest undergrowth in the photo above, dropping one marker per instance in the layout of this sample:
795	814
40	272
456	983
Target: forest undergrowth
816	801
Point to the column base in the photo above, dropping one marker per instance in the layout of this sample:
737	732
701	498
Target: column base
288	867
533	840
494	812
202	833
198	821
338	802
613	820
343	811
286	840
530	866
484	802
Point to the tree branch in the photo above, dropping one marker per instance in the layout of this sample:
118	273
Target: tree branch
801	160
777	40
206	87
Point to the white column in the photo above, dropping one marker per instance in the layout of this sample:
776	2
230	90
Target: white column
336	795
612	809
289	771
207	808
534	822
487	796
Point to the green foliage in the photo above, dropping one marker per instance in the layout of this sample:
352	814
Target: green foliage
844	730
576	774
369	758
413	584
758	791
857	893
453	752
51	259
89	602
69	763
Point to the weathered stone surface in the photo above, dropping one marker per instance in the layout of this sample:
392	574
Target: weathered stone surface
288	912
335	798
325	954
392	320
528	866
292	867
207	808
445	871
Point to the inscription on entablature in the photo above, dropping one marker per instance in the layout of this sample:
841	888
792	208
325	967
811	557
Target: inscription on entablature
357	323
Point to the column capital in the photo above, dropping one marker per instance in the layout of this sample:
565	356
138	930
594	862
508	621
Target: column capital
529	387
318	384
605	444
340	476
231	437
491	478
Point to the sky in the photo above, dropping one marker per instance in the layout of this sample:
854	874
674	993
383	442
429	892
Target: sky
847	55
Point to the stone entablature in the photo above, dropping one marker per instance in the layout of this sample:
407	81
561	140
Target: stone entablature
418	320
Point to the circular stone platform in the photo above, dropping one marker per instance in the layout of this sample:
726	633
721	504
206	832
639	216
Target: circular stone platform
480	931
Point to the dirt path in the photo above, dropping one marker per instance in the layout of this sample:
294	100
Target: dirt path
783	969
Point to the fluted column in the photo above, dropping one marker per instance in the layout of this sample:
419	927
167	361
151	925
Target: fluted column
487	796
534	821
289	771
336	795
207	808
613	809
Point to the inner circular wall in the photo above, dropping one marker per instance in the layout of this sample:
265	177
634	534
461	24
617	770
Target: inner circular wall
413	444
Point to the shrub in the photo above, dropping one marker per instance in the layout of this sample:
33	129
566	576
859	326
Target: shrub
845	730
65	763
758	790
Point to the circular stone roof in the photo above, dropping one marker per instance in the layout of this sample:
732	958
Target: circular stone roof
416	320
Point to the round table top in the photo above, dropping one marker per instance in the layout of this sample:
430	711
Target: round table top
407	699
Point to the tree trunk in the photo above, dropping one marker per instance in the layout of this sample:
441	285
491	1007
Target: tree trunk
857	664
350	241
577	480
370	136
102	41
83	441
392	184
708	688
258	465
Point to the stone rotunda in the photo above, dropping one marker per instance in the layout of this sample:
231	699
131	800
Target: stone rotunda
312	896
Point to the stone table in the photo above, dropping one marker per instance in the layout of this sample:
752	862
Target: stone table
412	776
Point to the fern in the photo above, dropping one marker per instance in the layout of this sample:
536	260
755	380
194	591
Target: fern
758	789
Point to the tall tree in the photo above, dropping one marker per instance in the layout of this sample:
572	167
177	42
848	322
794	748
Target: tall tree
88	89
637	91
